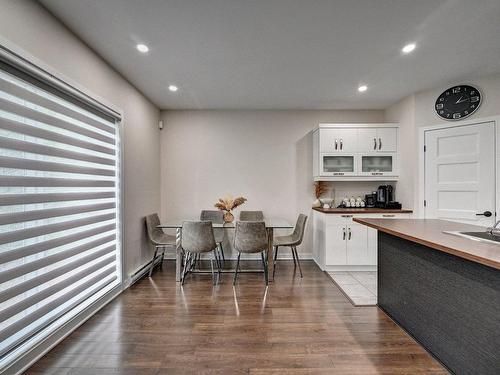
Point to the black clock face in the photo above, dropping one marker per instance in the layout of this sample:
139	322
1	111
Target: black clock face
458	102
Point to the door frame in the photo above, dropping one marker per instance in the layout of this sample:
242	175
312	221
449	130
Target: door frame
421	158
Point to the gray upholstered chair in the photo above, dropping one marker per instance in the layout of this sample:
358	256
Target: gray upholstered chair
216	216
251	216
251	237
158	238
197	237
293	240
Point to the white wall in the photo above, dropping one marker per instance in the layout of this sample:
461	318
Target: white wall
30	30
265	156
417	111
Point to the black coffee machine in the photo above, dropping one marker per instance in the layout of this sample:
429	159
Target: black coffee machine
384	196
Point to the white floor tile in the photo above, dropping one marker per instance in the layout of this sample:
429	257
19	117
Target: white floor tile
345	279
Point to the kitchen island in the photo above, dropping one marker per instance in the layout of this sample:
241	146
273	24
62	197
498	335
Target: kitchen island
442	289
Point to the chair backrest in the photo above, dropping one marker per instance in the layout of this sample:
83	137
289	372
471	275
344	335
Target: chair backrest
251	216
300	226
250	236
215	216
152	221
197	236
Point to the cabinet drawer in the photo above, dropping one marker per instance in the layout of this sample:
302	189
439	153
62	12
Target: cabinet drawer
384	216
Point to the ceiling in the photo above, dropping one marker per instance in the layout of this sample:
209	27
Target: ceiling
288	54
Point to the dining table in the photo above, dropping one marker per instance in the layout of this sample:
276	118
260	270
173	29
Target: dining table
271	225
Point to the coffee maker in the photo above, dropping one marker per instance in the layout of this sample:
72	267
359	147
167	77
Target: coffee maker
384	196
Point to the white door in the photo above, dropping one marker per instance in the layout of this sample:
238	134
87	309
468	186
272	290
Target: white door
357	244
460	174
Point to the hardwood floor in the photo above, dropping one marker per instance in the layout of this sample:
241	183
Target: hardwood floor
299	326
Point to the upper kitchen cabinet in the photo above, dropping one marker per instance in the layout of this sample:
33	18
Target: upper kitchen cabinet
338	140
378	139
365	152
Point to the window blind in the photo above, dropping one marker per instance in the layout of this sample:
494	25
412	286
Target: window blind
59	209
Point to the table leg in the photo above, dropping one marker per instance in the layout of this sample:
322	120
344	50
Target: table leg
270	238
178	255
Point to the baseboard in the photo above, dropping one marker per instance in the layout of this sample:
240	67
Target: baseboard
140	272
349	268
27	359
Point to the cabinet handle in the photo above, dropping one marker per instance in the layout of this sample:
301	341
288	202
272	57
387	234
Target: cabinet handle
380	143
341	143
374	143
336	144
343	233
350	234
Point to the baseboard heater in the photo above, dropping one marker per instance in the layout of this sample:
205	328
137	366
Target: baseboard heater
144	270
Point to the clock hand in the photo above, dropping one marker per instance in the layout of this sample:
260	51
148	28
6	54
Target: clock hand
460	100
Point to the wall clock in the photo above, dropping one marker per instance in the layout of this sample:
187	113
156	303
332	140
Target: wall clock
458	102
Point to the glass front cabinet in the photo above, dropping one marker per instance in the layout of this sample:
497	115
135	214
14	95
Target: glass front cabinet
377	165
338	165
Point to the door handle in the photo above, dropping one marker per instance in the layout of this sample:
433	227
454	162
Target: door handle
350	234
380	143
485	214
343	232
336	144
374	143
341	143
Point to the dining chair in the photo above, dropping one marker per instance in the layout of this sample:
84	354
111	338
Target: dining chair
250	237
251	216
158	238
197	237
216	216
293	240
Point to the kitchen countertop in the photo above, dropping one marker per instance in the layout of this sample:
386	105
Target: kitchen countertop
429	232
361	211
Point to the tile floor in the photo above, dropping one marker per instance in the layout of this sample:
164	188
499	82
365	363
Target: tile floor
359	286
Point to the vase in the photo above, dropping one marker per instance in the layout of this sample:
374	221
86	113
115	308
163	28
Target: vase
228	217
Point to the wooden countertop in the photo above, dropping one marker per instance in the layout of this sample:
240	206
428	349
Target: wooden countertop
429	233
361	211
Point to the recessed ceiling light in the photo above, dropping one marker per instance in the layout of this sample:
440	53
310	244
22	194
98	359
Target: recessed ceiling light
173	88
142	48
362	88
409	48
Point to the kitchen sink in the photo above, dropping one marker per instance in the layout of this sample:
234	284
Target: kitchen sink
477	236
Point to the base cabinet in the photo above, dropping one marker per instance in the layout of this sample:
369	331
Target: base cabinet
339	243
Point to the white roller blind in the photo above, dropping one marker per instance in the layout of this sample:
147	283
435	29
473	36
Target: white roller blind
59	209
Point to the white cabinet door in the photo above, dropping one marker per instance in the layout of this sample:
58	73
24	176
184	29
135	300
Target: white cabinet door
377	164
338	140
333	164
335	245
460	174
357	244
367	140
387	139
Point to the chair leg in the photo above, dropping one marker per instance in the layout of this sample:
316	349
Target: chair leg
275	259
213	274
186	267
298	260
294	259
163	257
217	262
222	253
236	270
264	263
153	262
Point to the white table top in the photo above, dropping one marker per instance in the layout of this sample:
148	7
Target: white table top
270	223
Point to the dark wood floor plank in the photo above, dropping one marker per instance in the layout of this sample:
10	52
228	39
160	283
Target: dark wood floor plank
296	326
